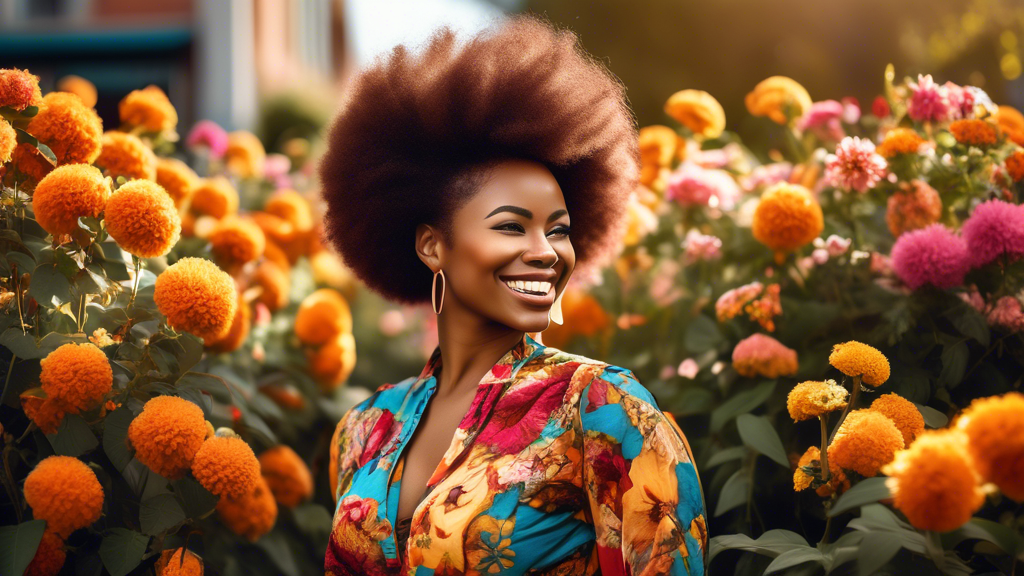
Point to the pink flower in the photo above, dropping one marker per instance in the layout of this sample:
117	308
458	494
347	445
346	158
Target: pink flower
1007	314
767	175
730	304
995	228
718	157
961	101
691	185
880	264
855	165
880	107
932	255
700	247
688	368
762	355
837	245
208	134
824	120
929	101
820	256
276	168
973	298
851	110
392	323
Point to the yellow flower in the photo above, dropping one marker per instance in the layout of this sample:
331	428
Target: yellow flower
237	240
245	154
802	480
856	359
900	141
780	98
323	315
227	467
214	197
85	90
142	219
903	413
933	482
125	155
177	179
68	193
698	111
252	514
995	432
658	145
167	435
8	141
787	217
865	442
65	492
196	296
812	399
287	475
77	375
148	108
332	363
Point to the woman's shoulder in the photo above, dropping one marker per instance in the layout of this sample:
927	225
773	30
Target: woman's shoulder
592	380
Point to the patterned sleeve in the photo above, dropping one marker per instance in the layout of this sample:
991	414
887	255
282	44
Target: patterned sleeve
644	492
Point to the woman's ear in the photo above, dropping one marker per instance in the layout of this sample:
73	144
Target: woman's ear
429	246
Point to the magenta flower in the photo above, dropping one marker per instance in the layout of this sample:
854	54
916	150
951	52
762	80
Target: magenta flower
932	255
929	101
208	134
855	165
995	228
961	101
691	185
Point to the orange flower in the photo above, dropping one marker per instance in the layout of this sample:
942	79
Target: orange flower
1015	165
787	218
287	475
973	132
650	507
995	432
333	362
698	111
237	240
276	229
322	315
85	90
275	254
245	154
19	89
236	335
76	375
28	160
780	98
933	482
148	108
196	296
274	283
900	141
71	129
865	442
172	564
1010	119
46	413
812	399
68	193
856	359
291	206
142	219
8	141
65	492
912	207
226	466
582	315
214	197
329	269
762	355
903	413
50	556
251	515
658	146
177	179
802	480
167	435
125	155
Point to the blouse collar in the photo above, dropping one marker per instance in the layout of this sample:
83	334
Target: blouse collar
503	369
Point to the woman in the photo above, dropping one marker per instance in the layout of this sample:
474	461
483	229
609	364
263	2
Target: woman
451	178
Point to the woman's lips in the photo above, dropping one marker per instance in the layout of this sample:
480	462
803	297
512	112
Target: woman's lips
534	299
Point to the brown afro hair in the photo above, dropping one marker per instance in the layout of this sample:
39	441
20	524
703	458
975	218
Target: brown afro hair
417	133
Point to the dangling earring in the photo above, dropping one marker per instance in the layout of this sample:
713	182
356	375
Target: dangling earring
555	314
433	292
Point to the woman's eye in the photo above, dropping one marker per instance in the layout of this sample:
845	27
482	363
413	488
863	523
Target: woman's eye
511	226
559	231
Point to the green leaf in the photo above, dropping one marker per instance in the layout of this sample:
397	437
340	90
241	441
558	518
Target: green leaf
198	501
89	281
275	545
24	262
115	437
73	438
867	491
702	335
758	433
49	287
876	550
122	550
771	543
734	492
22	345
741	403
954	364
26	138
794	557
695	400
970	323
1002	536
18	545
723	456
932	417
160	513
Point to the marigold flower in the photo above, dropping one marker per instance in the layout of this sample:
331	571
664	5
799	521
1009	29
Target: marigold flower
855	165
126	155
995	432
73	131
658	145
172	564
856	359
583	315
287	475
802	480
236	335
693	185
1010	119
812	399
928	101
214	197
974	133
65	492
19	89
912	207
196	296
900	141
933	482
762	355
226	466
67	194
167	435
865	441
994	229
77	375
1015	165
698	111
237	240
177	179
142	219
148	108
275	284
332	363
8	141
46	413
84	89
903	413
932	255
322	315
780	98
787	218
50	556
291	206
245	154
276	229
250	515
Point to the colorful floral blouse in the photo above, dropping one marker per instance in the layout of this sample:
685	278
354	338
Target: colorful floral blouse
563	465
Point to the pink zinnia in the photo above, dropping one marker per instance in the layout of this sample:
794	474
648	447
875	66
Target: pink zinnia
961	101
209	134
932	255
1007	314
929	100
995	228
767	175
762	355
855	165
691	185
701	247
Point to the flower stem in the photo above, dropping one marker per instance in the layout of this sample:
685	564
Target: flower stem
826	472
137	262
853	400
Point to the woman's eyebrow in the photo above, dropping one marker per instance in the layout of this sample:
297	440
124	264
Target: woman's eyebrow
557	214
513	209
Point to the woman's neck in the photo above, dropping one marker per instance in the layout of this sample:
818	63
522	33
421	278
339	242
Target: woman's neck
470	346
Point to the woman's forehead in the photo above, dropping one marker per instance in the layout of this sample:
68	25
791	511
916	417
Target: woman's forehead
520	183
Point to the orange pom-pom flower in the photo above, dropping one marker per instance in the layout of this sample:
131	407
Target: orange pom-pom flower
802	480
912	207
167	435
196	296
126	155
236	335
142	219
177	179
237	240
903	413
148	108
67	194
226	466
865	441
245	154
8	141
973	132
780	98
251	515
287	475
73	131
19	89
899	141
856	359
50	556
332	363
214	197
787	218
995	432
698	111
171	563
322	315
812	399
77	375
84	89
65	492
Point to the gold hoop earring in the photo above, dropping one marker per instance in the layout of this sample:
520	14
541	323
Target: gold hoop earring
433	292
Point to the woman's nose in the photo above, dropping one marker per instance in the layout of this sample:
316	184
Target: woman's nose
541	253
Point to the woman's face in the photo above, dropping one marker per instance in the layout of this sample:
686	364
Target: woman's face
509	253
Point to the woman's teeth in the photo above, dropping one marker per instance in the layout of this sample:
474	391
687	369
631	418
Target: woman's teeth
529	287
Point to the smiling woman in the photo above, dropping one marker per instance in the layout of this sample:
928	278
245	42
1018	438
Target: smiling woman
458	171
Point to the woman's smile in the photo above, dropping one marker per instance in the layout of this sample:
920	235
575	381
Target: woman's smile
534	289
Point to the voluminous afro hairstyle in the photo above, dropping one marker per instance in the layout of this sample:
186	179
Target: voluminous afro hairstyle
417	132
